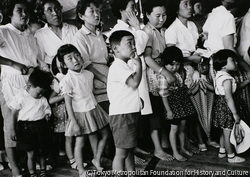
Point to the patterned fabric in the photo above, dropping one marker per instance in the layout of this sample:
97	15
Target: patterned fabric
178	97
180	103
203	101
222	115
60	117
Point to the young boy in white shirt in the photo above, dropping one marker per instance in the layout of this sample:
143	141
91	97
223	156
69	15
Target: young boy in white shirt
30	110
122	89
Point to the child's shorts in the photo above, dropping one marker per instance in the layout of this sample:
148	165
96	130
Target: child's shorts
32	135
124	129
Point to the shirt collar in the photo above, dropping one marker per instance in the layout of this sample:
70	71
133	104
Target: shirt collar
179	23
64	25
86	31
153	28
76	73
25	32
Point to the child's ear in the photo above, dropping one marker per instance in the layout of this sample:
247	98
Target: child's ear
115	48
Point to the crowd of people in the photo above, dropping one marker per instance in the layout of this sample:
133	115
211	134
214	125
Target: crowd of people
62	85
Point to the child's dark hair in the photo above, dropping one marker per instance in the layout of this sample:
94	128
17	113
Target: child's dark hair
171	54
119	5
81	7
220	58
116	37
39	78
150	5
64	50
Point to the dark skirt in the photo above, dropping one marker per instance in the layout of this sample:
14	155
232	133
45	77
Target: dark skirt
180	103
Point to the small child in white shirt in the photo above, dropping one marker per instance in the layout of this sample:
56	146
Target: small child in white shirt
30	110
123	94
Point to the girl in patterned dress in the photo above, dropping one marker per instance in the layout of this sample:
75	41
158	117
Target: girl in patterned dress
177	103
85	116
228	109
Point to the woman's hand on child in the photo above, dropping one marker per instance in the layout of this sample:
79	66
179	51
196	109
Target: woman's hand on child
133	20
196	58
22	68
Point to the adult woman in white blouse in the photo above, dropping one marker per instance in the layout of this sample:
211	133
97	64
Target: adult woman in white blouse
221	30
17	45
55	33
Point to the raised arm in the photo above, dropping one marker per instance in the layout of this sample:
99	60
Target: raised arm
135	79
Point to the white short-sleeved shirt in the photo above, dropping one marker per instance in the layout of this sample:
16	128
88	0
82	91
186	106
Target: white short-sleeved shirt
80	87
220	23
183	37
91	46
220	77
123	99
141	38
49	42
244	37
31	109
20	47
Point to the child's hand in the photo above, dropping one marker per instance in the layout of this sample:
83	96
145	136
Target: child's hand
47	117
133	20
170	114
136	59
13	135
236	118
77	128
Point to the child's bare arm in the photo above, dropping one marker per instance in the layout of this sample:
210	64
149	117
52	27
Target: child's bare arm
134	80
170	114
227	84
14	116
55	98
70	111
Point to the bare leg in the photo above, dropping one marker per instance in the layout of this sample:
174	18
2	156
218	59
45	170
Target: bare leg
31	162
69	147
119	159
79	144
130	161
11	154
158	152
181	134
172	138
100	147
